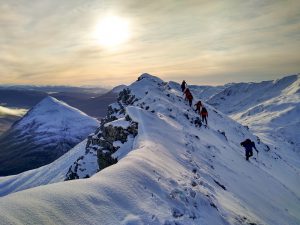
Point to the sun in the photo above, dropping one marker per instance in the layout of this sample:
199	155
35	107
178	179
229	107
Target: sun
112	31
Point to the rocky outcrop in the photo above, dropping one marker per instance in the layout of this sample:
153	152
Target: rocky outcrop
116	127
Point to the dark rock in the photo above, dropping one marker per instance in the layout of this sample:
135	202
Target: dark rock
221	185
176	213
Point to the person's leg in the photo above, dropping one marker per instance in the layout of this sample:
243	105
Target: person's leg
250	153
247	155
205	120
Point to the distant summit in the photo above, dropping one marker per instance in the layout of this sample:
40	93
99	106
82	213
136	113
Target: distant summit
46	132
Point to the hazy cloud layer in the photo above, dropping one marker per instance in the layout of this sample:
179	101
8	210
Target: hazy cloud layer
52	42
4	111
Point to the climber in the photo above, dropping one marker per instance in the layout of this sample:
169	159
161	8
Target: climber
188	96
183	85
198	106
204	114
248	145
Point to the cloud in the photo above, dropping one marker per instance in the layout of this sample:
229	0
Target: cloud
51	41
4	111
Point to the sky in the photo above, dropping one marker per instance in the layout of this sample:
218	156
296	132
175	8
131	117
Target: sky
55	42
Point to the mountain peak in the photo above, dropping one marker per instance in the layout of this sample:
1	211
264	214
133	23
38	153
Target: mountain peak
47	131
50	102
148	76
50	107
50	99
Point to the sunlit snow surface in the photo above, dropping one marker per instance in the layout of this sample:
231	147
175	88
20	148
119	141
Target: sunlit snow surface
175	173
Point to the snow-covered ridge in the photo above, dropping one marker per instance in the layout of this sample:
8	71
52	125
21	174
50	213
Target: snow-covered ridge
118	88
172	172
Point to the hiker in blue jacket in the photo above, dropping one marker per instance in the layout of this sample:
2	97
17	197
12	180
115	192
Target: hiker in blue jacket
248	145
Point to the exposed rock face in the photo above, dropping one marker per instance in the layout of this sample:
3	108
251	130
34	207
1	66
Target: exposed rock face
116	129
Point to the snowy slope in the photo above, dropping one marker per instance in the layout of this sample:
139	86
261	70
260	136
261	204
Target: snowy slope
46	132
174	173
271	109
118	88
203	92
51	173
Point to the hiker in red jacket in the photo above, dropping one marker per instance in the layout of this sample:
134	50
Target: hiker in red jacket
204	115
188	96
198	106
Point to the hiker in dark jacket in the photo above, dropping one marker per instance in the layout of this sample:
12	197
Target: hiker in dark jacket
198	106
248	145
188	96
183	85
204	115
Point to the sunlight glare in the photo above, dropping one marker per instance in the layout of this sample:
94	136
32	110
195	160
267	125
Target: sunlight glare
112	31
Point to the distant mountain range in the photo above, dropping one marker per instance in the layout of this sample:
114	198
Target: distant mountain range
61	88
46	132
91	100
270	109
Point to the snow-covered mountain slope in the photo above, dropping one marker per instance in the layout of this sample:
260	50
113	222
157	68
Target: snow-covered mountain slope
118	88
51	173
203	92
271	109
169	172
46	132
206	92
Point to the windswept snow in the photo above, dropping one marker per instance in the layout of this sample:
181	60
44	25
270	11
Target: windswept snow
51	173
174	173
119	123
